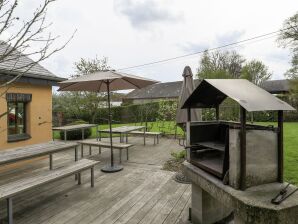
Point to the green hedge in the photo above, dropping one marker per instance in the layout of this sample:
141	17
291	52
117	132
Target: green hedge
76	134
138	113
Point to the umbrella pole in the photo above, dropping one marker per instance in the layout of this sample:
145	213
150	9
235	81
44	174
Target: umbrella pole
111	168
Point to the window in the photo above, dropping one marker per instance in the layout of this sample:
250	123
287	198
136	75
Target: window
16	116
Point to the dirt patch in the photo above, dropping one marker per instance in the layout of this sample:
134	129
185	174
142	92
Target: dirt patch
174	165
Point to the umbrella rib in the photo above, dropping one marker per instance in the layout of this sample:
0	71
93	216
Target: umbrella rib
62	89
131	83
100	86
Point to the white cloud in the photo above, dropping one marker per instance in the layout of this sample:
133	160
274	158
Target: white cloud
131	32
142	14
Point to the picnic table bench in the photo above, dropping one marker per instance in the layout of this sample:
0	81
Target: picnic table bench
32	151
100	144
81	127
11	189
123	131
155	135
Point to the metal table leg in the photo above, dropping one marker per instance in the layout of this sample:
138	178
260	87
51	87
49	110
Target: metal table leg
92	176
9	210
144	136
65	135
51	161
82	150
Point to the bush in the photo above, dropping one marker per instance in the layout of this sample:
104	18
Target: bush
76	134
179	155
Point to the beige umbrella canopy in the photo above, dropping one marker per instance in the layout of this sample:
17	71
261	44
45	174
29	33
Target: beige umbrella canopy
97	82
186	90
106	81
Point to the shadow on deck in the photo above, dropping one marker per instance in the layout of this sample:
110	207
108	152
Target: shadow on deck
141	193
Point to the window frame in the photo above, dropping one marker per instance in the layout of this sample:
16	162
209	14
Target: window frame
15	98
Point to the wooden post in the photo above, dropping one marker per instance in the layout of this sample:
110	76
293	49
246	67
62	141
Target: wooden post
280	147
242	148
217	112
188	150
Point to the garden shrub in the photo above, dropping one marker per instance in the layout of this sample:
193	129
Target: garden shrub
76	134
179	155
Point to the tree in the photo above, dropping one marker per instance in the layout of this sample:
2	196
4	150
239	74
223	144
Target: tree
77	103
256	72
289	38
22	37
227	64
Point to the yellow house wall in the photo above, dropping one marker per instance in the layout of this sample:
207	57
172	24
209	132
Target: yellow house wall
39	110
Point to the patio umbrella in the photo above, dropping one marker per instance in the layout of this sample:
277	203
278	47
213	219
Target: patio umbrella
186	90
106	81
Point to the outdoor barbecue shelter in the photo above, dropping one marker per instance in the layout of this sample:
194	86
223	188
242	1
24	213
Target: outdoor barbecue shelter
226	158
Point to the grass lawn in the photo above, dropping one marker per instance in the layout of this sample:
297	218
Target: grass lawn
290	143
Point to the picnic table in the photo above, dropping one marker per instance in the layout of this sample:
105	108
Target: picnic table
74	127
123	131
32	151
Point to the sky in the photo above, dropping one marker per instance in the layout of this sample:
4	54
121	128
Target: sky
133	32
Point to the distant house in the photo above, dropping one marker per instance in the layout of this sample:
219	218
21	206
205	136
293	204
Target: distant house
171	91
277	86
25	105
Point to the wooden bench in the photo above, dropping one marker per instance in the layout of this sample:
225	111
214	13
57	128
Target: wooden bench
155	135
101	144
9	190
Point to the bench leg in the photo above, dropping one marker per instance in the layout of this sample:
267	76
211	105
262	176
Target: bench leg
144	137
79	178
76	154
127	153
120	153
51	161
90	150
82	150
92	176
126	137
154	139
9	210
76	158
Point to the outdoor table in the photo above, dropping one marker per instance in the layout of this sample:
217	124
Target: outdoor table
75	127
37	150
124	130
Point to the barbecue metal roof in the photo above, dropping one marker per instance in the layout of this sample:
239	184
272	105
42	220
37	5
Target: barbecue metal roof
211	92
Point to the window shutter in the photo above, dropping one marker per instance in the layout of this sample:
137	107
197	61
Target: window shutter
18	97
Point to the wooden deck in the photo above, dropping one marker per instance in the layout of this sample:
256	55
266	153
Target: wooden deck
141	193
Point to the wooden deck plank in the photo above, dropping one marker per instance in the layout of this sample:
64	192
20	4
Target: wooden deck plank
141	193
160	206
98	203
56	208
168	207
148	189
166	191
124	218
179	207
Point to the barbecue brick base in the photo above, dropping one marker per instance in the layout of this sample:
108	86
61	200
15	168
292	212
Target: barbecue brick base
211	200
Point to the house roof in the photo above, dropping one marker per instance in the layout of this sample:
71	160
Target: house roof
158	90
11	66
172	89
276	86
212	92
